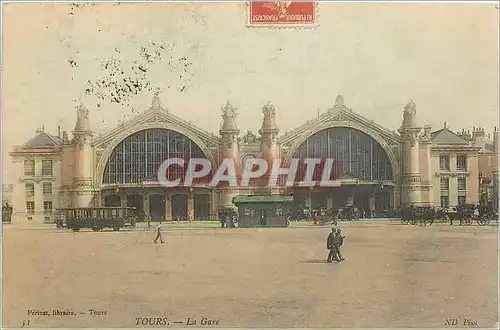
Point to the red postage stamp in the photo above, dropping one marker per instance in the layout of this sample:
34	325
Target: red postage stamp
282	13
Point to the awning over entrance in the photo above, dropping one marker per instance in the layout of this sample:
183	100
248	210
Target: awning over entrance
247	199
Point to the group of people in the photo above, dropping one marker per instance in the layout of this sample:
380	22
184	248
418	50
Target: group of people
6	212
229	220
333	243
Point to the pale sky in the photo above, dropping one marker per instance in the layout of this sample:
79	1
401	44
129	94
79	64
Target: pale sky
444	56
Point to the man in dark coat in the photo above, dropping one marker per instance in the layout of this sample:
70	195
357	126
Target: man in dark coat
339	241
330	245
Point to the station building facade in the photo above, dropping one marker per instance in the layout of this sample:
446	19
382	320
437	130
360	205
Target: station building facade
378	169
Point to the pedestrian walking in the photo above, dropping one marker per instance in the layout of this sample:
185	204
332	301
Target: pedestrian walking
148	219
330	245
338	242
158	234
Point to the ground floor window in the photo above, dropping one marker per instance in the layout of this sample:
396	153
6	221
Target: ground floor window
461	200
47	207
30	207
445	201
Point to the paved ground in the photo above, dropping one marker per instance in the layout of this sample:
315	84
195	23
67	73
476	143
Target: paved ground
394	276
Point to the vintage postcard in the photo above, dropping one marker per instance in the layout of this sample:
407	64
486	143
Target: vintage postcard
263	164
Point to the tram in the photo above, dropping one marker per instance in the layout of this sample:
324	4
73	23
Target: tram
96	218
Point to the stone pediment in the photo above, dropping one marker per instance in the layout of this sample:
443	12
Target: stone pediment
156	116
340	114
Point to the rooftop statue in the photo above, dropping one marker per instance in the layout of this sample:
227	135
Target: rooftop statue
269	111
269	121
409	113
82	112
228	111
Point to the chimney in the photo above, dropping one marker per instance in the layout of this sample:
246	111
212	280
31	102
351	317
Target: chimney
478	136
59	131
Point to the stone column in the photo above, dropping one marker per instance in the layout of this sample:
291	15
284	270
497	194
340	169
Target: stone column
145	203
391	199
411	180
329	200
191	206
307	199
229	149
473	180
268	142
123	198
213	204
83	159
97	198
350	198
453	192
371	202
495	190
168	206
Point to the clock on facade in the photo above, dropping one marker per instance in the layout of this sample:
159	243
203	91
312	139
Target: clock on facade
244	161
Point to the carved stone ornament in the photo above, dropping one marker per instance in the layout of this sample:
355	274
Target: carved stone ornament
338	117
412	138
249	138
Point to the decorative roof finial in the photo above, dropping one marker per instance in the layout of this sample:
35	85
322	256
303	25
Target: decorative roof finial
339	101
445	124
156	103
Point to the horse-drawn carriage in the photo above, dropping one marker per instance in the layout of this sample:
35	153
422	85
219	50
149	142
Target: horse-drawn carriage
466	214
483	215
423	215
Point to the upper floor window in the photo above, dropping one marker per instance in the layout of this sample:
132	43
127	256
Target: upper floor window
47	188
29	167
444	163
445	184
30	207
30	189
462	184
47	167
462	163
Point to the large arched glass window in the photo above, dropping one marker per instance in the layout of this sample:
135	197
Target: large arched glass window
355	153
137	158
